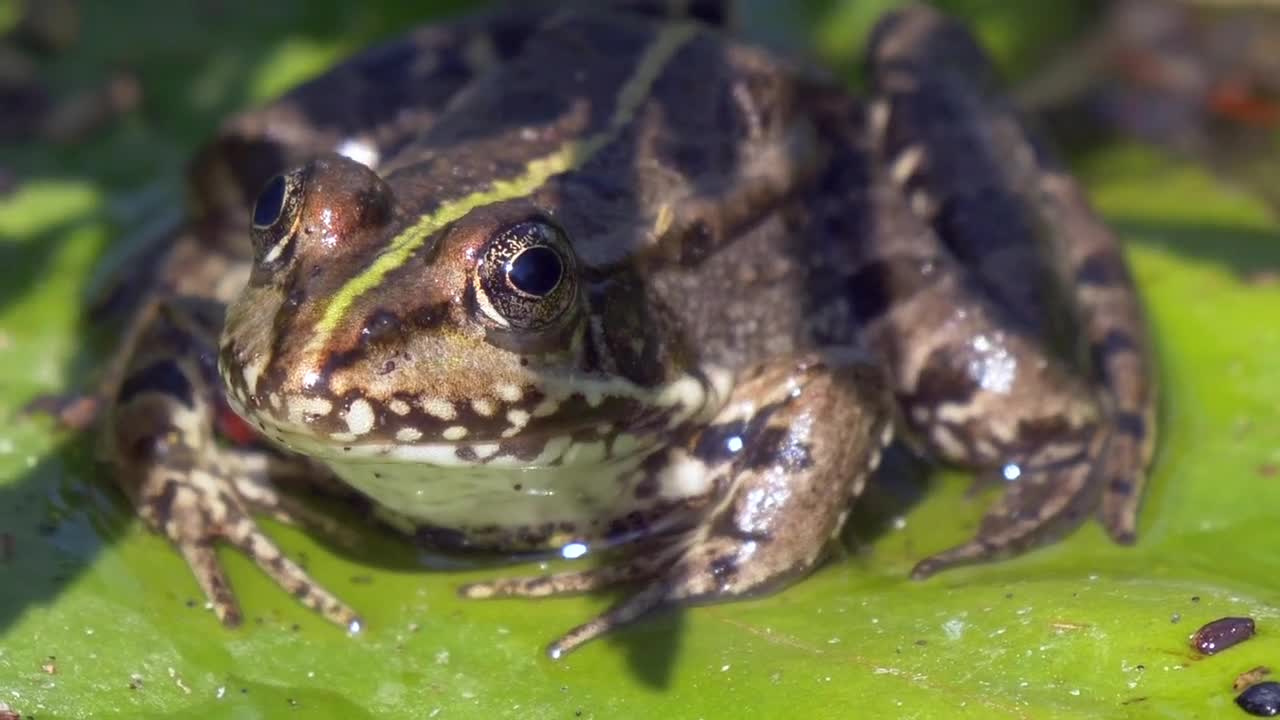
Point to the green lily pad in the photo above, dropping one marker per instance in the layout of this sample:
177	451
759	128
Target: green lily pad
100	619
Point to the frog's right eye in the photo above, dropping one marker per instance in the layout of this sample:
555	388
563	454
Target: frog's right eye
270	203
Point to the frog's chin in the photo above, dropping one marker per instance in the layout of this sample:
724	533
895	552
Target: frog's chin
467	499
453	485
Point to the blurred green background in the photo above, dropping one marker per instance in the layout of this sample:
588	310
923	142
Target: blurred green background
99	619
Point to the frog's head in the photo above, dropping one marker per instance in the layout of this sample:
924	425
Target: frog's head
482	329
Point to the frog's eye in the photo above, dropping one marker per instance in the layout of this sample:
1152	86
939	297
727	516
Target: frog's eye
270	203
536	271
274	216
525	277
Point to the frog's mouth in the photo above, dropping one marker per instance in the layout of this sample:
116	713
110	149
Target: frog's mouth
583	422
588	447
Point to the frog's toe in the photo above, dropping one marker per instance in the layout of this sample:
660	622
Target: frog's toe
624	613
1123	479
566	583
74	411
290	576
720	563
212	579
1036	508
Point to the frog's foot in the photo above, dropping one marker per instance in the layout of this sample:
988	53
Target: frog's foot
162	440
198	504
1039	505
793	446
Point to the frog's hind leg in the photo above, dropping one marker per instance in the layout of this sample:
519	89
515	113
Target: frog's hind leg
974	387
792	448
1009	212
162	442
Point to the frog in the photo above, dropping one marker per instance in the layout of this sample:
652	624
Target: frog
604	279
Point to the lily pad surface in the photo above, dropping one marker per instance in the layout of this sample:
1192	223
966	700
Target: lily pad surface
101	619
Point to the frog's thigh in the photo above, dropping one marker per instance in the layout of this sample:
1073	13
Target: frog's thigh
812	429
162	444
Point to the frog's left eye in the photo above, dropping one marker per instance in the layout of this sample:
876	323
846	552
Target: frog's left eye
274	214
525	278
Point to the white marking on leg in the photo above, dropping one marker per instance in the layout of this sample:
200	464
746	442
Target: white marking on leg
907	164
684	476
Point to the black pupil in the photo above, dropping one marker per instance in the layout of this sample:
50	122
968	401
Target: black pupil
270	202
535	271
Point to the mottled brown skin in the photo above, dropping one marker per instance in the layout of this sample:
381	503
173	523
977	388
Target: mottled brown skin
752	268
969	167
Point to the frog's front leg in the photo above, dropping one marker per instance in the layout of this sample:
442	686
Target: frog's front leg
787	454
162	440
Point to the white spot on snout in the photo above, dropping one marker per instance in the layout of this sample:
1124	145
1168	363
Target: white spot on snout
359	417
399	406
509	393
454	432
518	419
439	408
408	434
305	409
252	372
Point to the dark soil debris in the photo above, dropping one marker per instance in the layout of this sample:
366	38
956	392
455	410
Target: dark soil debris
1250	677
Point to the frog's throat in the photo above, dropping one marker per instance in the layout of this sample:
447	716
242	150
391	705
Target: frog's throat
569	156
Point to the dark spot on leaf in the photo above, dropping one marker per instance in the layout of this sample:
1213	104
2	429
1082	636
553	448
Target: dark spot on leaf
1262	699
1216	636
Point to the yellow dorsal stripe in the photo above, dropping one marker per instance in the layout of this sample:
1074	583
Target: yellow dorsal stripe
568	156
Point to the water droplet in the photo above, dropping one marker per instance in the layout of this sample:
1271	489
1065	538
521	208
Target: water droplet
573	550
